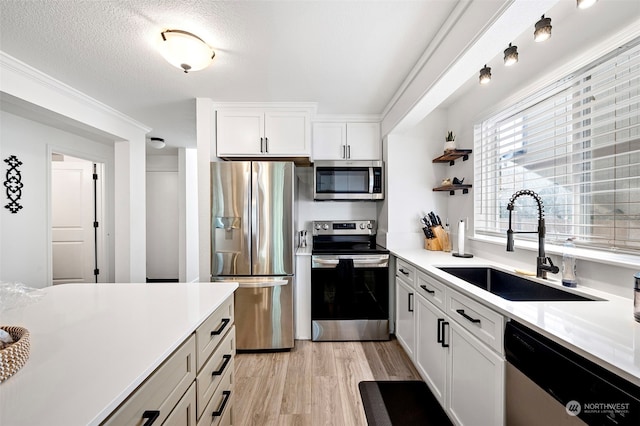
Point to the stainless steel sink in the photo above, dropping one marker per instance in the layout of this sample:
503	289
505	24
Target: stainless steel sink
511	287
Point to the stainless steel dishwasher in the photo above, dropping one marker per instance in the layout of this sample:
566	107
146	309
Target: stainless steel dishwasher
547	384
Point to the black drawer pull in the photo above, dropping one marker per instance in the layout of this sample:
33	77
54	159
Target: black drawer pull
409	300
473	320
424	287
444	345
151	416
217	332
218	413
440	330
218	372
403	271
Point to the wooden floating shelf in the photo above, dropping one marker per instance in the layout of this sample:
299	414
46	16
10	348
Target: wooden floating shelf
453	188
451	156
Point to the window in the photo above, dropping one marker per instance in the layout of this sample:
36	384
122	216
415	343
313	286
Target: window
577	144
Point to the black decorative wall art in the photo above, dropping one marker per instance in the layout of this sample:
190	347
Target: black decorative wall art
13	184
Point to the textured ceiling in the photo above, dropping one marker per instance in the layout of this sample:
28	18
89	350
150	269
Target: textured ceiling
348	56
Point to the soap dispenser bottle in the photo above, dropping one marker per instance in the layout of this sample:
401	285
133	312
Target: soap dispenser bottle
569	278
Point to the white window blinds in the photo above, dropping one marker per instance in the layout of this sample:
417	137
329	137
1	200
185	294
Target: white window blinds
576	144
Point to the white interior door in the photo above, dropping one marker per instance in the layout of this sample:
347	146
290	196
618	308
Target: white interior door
72	216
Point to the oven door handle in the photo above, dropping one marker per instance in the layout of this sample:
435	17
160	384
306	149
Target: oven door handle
359	261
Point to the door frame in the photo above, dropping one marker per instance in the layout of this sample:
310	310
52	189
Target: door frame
101	206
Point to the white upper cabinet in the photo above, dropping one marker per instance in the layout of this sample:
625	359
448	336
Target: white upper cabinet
346	141
258	133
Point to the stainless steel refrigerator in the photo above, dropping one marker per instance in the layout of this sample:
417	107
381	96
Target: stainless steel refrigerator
253	243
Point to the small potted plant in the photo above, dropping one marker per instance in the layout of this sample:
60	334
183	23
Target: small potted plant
450	142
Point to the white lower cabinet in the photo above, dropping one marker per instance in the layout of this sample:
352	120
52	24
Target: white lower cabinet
184	413
193	385
465	374
432	356
405	322
475	395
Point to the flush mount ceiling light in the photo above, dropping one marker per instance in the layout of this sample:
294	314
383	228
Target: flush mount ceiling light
510	55
543	29
485	75
157	143
585	4
185	50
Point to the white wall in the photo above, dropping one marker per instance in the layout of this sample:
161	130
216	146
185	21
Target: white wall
162	217
189	226
36	94
26	235
309	210
411	175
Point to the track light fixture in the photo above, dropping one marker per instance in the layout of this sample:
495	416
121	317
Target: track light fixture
585	4
510	55
485	75
543	29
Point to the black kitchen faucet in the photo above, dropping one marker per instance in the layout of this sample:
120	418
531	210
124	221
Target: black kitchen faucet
541	264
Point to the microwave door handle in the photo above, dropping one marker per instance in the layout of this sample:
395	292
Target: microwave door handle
370	180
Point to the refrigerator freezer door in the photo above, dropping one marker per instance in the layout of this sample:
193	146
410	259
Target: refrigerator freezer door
230	218
272	218
264	312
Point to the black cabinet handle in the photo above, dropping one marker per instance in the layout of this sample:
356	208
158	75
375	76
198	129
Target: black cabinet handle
218	413
225	321
444	345
409	300
348	151
473	320
219	371
440	338
261	145
151	416
403	271
344	151
424	287
266	145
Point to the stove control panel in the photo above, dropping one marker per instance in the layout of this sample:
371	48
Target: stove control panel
349	227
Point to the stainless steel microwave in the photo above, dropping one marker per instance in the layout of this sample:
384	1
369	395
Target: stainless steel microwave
348	180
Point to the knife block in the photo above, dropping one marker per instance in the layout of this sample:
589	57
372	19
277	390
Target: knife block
439	242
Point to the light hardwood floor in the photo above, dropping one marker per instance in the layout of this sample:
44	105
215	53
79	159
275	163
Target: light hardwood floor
316	383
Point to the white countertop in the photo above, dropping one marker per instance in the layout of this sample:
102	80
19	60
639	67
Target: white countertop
603	331
303	251
93	344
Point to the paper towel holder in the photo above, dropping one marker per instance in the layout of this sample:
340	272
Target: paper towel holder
460	253
465	255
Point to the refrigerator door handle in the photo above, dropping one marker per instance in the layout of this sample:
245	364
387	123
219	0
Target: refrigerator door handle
261	284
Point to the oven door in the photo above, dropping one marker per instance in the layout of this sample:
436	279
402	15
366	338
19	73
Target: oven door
350	297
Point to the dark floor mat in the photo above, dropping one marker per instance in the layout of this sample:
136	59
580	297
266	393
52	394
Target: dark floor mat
401	403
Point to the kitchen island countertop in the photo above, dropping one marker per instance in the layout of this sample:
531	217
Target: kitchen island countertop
93	344
603	331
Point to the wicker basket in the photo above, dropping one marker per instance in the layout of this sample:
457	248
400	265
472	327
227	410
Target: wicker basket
14	356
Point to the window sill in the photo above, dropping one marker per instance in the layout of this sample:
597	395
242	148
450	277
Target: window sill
591	255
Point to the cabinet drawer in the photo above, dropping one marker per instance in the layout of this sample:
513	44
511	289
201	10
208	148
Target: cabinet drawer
482	322
185	412
221	402
213	330
431	289
213	371
161	391
406	272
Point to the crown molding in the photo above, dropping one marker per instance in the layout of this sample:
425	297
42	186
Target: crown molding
11	65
